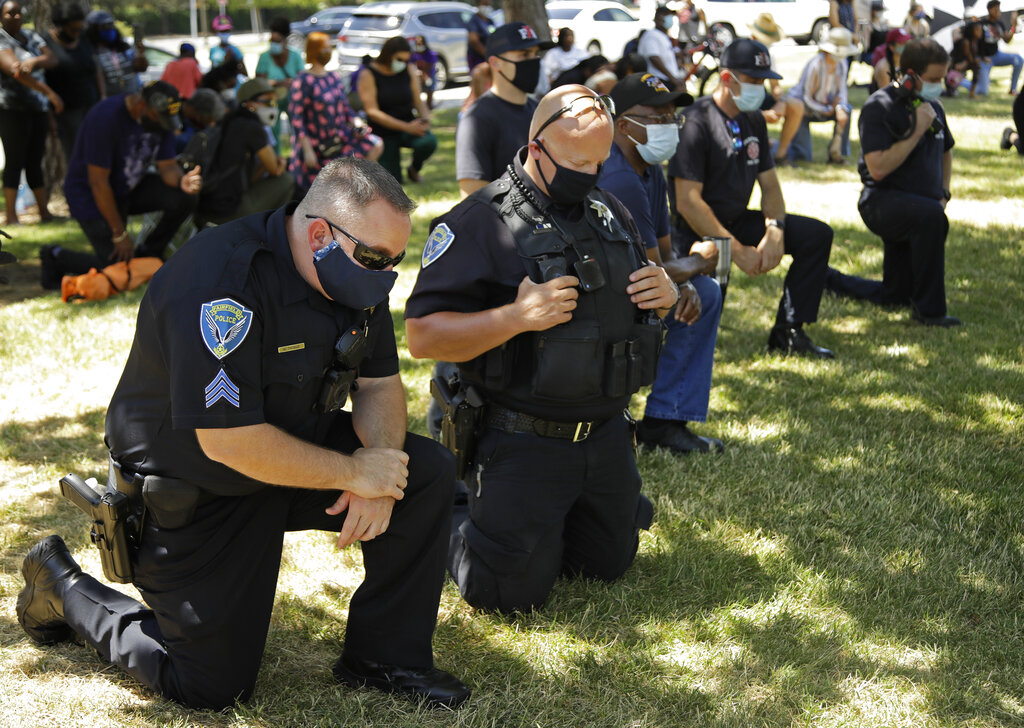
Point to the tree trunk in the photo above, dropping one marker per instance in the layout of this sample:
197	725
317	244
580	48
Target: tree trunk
531	12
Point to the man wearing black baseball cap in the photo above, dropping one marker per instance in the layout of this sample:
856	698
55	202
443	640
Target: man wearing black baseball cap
646	134
107	180
493	129
723	150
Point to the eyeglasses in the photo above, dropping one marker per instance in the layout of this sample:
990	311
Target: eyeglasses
364	254
676	119
580	106
734	129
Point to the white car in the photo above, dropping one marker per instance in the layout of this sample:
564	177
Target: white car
801	20
599	26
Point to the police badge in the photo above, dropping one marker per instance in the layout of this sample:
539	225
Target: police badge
224	324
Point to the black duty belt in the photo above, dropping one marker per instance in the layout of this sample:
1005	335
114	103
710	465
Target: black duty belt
512	421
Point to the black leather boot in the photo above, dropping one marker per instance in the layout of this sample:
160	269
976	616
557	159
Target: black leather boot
49	570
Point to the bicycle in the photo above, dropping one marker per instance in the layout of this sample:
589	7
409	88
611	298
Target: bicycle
705	68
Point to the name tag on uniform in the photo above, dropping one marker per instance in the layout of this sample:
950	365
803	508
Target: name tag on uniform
290	347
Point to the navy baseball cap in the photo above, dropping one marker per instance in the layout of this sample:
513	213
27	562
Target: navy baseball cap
645	89
745	55
514	37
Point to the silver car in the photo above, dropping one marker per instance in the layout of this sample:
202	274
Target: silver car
443	24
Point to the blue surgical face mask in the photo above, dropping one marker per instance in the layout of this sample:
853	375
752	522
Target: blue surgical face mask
224	37
899	48
662	140
347	282
397	66
930	91
275	48
666	22
751	96
108	35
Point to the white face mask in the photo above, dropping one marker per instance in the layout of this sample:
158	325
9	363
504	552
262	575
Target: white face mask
267	115
397	66
662	140
930	90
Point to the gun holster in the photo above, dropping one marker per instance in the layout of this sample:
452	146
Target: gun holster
116	520
463	409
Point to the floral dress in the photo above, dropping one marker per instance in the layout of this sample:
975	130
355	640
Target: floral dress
319	111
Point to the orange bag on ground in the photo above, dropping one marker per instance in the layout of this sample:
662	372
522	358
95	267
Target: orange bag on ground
116	278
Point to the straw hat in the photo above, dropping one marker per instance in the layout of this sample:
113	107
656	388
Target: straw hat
840	43
765	29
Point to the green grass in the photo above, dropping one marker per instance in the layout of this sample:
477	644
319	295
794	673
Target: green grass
854	558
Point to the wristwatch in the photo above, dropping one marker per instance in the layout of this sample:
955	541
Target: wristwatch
780	224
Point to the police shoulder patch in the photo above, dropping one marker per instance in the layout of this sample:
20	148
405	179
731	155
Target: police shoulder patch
440	239
223	324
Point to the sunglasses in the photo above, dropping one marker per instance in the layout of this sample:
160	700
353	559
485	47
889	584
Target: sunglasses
734	129
364	254
676	119
580	106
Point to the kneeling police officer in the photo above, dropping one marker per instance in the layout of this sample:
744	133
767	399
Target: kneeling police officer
226	431
538	286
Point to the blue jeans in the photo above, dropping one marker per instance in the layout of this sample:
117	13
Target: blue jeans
683	385
800	147
1002	58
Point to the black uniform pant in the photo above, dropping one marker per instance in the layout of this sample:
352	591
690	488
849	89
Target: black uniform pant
150	195
540	507
807	240
210	587
913	230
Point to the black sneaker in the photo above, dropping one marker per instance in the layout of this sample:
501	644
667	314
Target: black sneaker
675	436
794	340
945	322
49	273
1005	142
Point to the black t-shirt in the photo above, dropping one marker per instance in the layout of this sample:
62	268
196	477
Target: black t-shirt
489	134
884	120
74	76
274	339
394	97
242	135
726	155
993	31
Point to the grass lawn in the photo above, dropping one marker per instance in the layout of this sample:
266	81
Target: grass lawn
854	558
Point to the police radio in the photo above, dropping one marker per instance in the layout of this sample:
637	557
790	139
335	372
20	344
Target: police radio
906	91
339	379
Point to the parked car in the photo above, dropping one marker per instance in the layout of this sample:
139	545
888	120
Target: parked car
443	24
599	26
801	20
328	20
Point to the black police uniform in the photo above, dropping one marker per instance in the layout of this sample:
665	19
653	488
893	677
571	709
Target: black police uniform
728	164
230	335
904	209
554	486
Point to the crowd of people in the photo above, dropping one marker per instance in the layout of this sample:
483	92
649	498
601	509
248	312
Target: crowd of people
588	258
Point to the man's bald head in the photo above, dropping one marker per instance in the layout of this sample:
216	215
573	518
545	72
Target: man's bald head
571	133
583	119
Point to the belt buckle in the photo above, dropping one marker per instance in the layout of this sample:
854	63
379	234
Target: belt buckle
582	431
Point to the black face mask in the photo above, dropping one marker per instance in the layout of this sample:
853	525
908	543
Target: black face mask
151	125
350	284
64	37
567	186
527	75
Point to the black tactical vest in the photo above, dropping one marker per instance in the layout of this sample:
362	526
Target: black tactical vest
586	368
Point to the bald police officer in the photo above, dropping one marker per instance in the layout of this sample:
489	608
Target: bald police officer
228	419
539	287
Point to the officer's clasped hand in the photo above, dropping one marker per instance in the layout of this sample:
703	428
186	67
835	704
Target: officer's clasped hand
379	471
540	306
651	288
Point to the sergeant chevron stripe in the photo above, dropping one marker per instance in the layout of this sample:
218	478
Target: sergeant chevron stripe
221	388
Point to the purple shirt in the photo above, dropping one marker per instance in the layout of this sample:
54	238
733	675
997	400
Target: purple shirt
110	138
